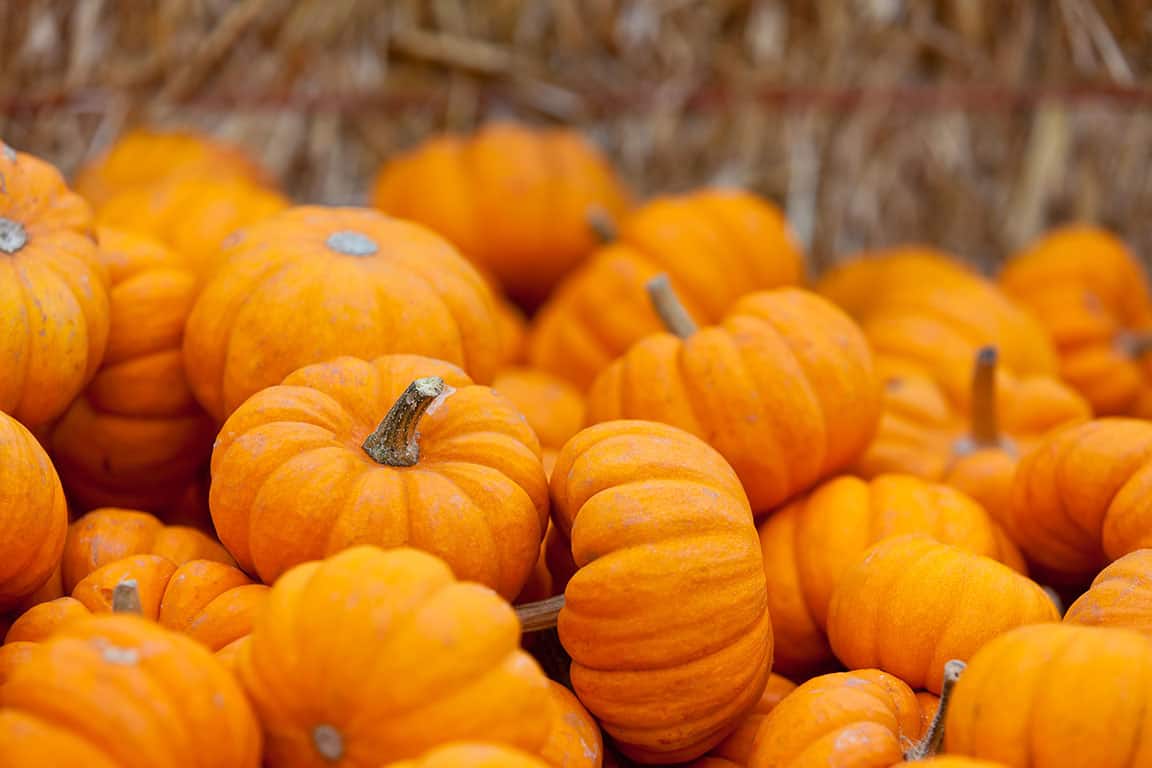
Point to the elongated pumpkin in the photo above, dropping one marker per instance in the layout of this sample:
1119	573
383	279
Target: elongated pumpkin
1120	595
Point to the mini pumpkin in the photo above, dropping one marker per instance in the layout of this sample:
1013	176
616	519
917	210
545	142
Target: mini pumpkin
472	755
1120	595
715	245
574	740
512	330
737	747
553	407
53	291
911	604
419	660
401	450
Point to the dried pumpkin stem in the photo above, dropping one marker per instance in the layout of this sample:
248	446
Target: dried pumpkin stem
396	442
13	236
985	424
1134	343
669	307
601	224
540	615
934	737
126	597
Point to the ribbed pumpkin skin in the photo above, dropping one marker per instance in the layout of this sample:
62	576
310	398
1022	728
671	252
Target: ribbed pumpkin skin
809	545
1079	500
553	407
418	660
1056	696
516	200
472	755
40	621
861	719
574	740
669	589
737	747
911	604
784	389
33	515
121	691
715	245
53	291
311	283
291	482
1120	596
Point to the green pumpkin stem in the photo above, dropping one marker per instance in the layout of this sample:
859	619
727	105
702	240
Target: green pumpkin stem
395	442
540	615
126	597
13	236
985	424
934	736
669	307
601	224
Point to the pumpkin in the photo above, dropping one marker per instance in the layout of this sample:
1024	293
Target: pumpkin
553	407
310	284
512	330
809	545
1079	499
1091	293
53	291
1120	595
973	443
401	450
106	535
416	660
79	699
737	747
473	755
910	604
33	515
952	761
148	157
1056	696
784	388
514	199
715	245
574	740
669	591
136	437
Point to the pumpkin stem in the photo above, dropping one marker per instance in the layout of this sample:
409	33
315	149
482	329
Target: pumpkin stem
126	597
985	425
540	614
1134	343
669	307
13	236
934	737
395	442
328	742
601	224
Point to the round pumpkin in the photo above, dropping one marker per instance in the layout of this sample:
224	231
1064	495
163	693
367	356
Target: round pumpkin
401	450
669	591
1056	696
553	407
514	199
574	740
1120	595
809	545
53	291
784	388
715	245
472	755
311	283
121	692
737	747
911	604
418	660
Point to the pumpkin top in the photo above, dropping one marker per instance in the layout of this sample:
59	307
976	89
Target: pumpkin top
36	202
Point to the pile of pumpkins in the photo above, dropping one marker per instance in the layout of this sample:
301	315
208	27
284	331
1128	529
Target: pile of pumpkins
295	485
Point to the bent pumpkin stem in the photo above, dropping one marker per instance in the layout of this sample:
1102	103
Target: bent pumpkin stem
669	307
601	224
13	236
1134	343
934	736
539	615
985	423
395	441
126	597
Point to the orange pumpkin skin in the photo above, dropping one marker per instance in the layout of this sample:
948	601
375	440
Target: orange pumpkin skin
575	740
53	291
516	200
553	407
291	481
472	755
784	389
41	621
512	330
676	556
311	283
810	544
715	245
951	761
862	718
1079	498
33	515
911	604
79	695
1120	596
1056	696
737	747
324	696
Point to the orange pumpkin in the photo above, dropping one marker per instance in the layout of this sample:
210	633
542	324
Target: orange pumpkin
737	747
418	660
53	291
78	700
574	740
516	200
669	591
553	407
331	459
715	245
472	755
911	604
512	330
1091	293
313	283
1120	596
810	544
1079	499
1056	696
952	761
